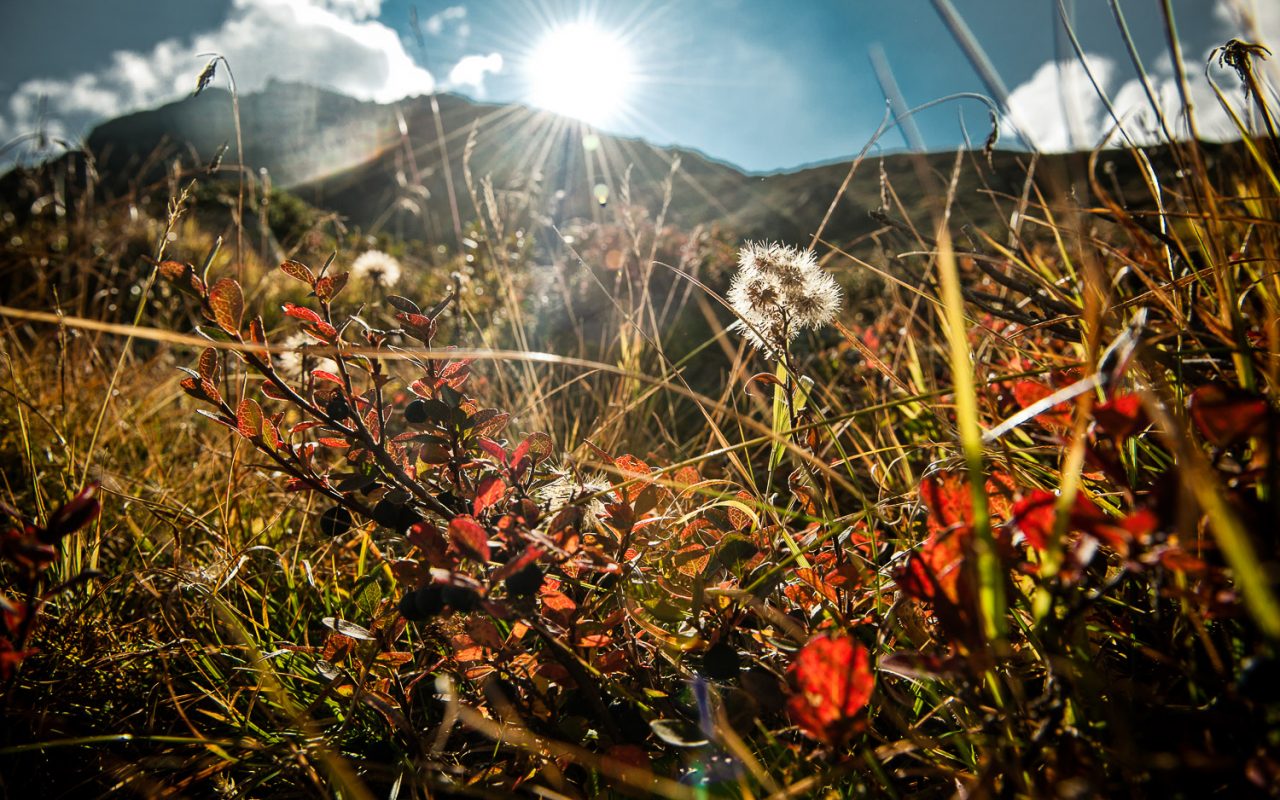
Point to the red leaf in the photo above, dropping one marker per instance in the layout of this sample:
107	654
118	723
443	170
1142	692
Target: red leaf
323	331
427	538
270	434
1035	516
303	313
739	519
1176	559
692	559
322	375
496	451
328	287
1028	393
227	301
470	537
249	419
530	555
832	682
539	446
937	567
488	492
1121	416
632	466
257	334
766	378
183	276
629	755
211	391
521	451
1224	415
74	515
456	373
209	365
949	500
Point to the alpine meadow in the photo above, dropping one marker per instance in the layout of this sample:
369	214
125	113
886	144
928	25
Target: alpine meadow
446	443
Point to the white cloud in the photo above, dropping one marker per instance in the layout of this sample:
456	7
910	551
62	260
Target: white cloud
453	19
353	9
1059	109
471	71
331	43
294	40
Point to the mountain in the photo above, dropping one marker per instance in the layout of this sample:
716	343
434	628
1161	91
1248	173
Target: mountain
387	166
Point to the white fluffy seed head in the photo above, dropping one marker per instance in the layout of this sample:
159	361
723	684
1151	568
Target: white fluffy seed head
376	266
779	291
289	356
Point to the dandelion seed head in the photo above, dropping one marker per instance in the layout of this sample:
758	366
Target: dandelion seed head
375	266
779	291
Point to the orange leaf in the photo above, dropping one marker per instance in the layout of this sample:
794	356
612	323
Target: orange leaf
299	271
558	606
832	682
227	302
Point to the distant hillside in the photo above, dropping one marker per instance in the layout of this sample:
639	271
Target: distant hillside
383	165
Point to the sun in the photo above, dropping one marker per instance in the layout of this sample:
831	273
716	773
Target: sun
581	71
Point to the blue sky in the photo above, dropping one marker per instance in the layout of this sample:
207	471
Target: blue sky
765	84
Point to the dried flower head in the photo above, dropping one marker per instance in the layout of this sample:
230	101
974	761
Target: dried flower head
376	266
779	291
290	354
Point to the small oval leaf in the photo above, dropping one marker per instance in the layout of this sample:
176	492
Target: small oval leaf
227	301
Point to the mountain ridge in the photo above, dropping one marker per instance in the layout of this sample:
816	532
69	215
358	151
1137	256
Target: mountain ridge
381	165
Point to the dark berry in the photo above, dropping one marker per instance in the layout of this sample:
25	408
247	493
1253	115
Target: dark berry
416	412
407	518
423	603
722	661
337	408
387	513
461	598
396	516
335	521
409	605
524	582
